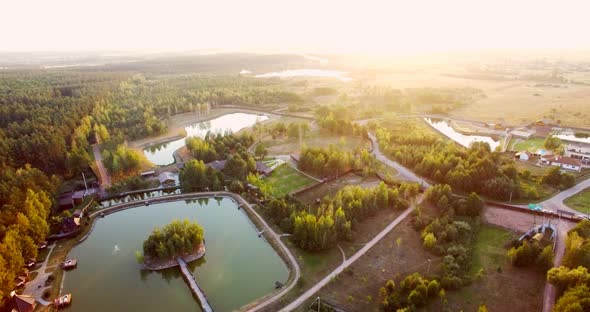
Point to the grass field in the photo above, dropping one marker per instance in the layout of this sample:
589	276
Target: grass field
496	283
489	251
580	201
516	102
530	145
285	180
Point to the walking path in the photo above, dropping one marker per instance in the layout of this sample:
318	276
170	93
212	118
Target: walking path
271	234
192	282
36	287
403	172
310	292
342	252
105	179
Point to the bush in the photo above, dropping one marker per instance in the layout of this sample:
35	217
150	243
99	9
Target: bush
236	186
545	258
433	288
524	255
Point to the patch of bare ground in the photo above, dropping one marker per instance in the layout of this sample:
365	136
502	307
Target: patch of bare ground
515	220
397	255
332	187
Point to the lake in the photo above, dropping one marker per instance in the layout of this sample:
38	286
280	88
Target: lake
163	154
340	75
443	127
238	268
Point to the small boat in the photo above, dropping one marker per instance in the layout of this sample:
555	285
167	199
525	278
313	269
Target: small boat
30	263
63	300
69	264
278	285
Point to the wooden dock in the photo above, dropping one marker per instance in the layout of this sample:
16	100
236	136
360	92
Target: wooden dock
192	282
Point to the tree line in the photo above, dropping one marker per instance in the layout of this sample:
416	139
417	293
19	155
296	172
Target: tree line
325	161
336	217
475	169
572	278
217	146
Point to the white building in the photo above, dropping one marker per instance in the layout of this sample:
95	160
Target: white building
579	151
524	156
563	162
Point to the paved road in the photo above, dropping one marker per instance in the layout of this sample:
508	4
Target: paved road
403	172
556	202
105	179
310	292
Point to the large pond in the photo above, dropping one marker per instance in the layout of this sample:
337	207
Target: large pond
466	140
340	75
163	154
238	268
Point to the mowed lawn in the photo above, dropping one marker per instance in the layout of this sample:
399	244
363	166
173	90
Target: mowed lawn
580	201
530	145
285	180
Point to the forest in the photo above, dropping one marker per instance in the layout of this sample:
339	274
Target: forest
476	169
50	119
217	146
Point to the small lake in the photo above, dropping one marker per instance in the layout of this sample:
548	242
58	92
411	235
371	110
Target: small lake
238	268
340	75
163	154
443	127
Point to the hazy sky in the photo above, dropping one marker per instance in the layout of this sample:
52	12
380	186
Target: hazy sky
310	25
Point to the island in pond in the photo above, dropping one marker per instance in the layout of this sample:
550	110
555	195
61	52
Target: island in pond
177	239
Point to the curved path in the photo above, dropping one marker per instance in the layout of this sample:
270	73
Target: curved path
348	262
556	202
403	172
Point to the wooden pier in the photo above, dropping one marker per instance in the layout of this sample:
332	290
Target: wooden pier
192	282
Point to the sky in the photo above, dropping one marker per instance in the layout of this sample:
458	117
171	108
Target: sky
302	25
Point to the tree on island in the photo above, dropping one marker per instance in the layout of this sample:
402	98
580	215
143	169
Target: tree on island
175	239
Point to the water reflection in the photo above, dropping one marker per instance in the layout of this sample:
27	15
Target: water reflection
466	140
163	154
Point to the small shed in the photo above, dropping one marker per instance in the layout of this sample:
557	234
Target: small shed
523	156
70	224
166	179
147	174
262	168
217	165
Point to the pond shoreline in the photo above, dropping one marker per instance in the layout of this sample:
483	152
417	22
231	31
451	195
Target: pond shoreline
170	263
271	237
